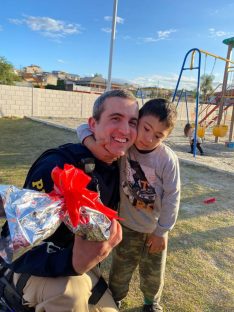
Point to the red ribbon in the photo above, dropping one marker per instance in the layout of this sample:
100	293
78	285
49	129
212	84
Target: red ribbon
70	183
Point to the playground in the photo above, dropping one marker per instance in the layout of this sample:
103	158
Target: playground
214	106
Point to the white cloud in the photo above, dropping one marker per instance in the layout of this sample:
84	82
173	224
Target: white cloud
169	81
48	26
161	35
219	33
164	34
119	20
15	21
61	61
107	30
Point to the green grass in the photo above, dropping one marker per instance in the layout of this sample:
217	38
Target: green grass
21	142
200	263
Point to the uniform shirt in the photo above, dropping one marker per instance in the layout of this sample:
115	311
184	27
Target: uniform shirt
54	257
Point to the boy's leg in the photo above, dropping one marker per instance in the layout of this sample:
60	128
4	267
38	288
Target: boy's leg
191	145
64	294
152	272
200	148
125	258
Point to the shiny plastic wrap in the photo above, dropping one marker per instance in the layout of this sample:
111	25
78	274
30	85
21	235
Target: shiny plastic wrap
34	216
93	225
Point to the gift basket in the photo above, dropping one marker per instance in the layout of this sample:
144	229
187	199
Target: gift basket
34	216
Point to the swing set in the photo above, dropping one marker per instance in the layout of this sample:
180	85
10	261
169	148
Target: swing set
217	102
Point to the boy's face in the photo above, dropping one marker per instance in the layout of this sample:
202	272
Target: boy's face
117	126
151	133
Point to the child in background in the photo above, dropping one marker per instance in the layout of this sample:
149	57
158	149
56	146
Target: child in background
189	133
149	203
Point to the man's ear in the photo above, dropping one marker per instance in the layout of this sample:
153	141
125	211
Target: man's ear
92	123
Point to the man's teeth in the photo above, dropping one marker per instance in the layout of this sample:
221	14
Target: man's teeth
120	140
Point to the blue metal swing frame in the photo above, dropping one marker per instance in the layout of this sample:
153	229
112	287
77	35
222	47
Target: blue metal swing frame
197	89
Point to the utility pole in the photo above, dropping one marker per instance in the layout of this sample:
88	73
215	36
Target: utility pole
112	44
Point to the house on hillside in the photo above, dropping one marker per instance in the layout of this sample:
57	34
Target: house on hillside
39	80
32	69
98	83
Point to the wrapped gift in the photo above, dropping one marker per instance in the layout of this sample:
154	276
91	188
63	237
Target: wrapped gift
34	216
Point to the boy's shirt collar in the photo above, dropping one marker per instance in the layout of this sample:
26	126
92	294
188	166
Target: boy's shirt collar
143	151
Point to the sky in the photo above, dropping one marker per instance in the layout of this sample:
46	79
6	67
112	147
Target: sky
152	37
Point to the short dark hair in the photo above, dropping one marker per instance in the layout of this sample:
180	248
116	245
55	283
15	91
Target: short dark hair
187	127
98	106
163	109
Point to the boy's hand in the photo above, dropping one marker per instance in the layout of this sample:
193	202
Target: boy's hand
156	243
100	149
87	254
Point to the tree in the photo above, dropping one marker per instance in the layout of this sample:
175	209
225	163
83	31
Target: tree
97	75
206	85
7	75
60	85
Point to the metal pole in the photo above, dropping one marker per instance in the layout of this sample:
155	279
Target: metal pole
224	88
112	44
231	125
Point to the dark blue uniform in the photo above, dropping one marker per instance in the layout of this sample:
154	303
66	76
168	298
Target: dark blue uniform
54	257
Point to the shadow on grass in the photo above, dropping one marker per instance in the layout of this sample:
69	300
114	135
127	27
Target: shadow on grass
200	239
137	309
22	141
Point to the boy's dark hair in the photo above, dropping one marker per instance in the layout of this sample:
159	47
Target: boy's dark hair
187	127
164	110
98	106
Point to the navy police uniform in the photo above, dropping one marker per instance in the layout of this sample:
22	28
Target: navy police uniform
54	257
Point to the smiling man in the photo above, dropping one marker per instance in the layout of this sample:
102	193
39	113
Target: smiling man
63	273
114	120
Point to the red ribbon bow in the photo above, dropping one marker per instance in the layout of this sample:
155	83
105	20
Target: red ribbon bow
70	183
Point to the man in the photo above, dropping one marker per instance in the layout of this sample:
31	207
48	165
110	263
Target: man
63	271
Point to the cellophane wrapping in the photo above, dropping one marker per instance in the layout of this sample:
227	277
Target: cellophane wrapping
34	216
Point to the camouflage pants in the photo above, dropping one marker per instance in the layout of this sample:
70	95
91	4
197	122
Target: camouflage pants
132	251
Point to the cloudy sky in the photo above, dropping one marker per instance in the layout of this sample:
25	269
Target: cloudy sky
151	41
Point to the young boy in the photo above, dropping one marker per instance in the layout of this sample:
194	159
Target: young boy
189	132
149	203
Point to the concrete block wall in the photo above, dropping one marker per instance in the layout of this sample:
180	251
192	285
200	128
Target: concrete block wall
15	101
25	101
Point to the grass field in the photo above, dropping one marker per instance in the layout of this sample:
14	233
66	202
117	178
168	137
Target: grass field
200	263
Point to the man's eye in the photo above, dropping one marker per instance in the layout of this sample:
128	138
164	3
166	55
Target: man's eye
133	124
115	118
146	129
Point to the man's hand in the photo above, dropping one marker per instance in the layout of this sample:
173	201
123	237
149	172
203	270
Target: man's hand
87	254
156	243
100	149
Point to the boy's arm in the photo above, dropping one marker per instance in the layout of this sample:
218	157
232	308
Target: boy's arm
98	148
171	197
157	241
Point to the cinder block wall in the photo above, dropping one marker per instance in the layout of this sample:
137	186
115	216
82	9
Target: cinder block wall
24	101
15	101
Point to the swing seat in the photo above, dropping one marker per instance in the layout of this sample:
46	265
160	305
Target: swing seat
201	131
220	131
